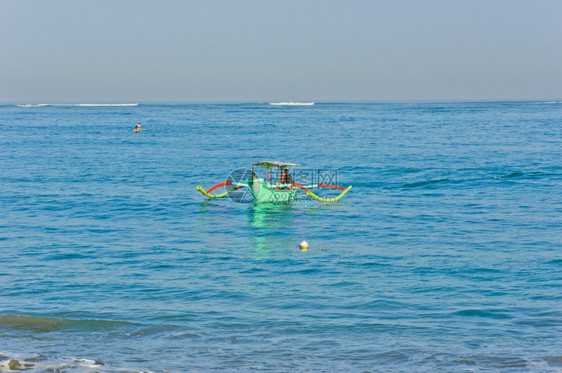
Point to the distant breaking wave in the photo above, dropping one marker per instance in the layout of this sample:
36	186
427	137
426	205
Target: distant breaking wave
83	105
291	103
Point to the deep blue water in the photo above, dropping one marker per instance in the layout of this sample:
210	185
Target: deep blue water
445	256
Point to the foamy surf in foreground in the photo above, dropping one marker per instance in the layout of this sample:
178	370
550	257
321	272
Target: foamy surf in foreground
40	363
291	103
79	105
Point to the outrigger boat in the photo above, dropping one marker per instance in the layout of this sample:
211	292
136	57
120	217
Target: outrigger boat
265	192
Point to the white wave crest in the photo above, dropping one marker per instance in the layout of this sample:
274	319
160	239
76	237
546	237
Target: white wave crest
41	363
292	103
32	105
105	105
78	105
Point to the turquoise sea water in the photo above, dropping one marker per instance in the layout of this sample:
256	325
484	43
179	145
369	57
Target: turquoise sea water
445	256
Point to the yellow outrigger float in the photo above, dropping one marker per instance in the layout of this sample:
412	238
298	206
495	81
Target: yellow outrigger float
265	192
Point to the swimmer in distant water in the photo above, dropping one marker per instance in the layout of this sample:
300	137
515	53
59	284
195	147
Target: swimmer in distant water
137	128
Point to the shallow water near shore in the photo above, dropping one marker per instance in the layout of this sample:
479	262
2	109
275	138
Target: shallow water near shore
445	255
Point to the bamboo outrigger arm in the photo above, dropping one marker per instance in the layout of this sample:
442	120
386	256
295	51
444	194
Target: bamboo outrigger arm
322	199
213	196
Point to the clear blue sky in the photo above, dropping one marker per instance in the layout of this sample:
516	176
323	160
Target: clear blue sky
99	51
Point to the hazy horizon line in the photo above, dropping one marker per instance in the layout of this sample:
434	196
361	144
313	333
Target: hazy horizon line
234	102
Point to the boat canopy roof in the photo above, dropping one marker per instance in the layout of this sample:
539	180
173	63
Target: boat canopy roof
270	164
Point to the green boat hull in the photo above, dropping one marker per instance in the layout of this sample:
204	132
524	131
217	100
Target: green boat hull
264	193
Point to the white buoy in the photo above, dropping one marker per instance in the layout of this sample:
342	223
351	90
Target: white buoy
304	246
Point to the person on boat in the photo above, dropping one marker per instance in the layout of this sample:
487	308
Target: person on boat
137	128
286	178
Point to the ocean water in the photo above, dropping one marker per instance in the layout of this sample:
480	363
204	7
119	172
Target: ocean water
445	256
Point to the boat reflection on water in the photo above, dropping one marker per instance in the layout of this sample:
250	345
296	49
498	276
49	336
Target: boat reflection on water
271	216
269	231
279	228
271	227
268	228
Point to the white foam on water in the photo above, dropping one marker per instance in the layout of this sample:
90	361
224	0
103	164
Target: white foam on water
291	103
77	105
105	104
41	363
32	105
